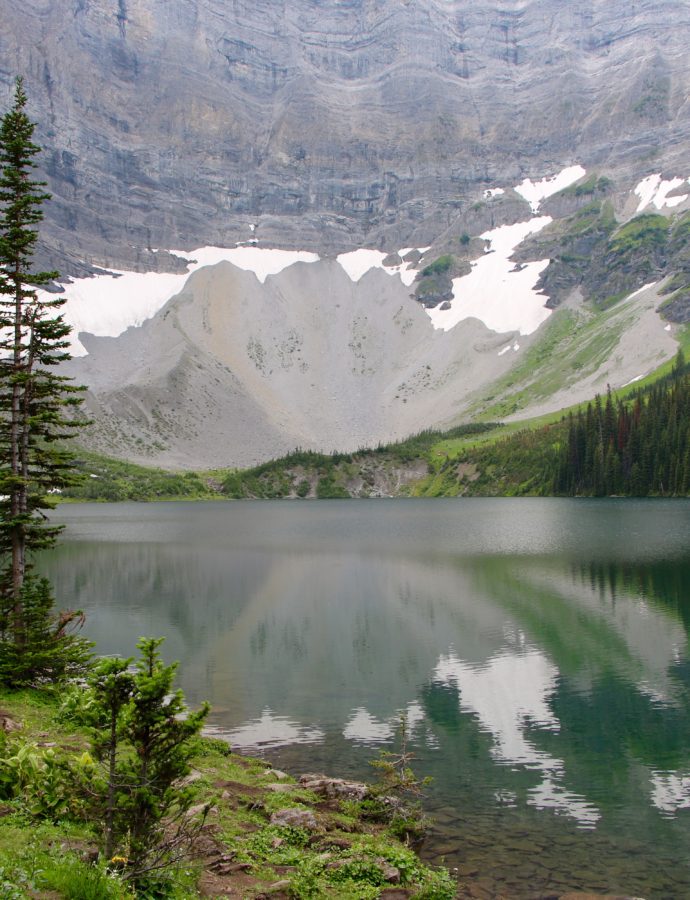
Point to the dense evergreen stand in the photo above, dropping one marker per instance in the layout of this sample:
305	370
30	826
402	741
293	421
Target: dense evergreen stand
632	448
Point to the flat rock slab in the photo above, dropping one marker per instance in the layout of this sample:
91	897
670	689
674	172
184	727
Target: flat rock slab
334	788
295	818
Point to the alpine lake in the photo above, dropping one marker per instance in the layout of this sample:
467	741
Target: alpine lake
537	648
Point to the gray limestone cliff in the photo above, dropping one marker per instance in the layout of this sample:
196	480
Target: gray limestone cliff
331	124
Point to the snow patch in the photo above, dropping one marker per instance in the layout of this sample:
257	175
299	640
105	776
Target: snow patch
493	192
259	260
110	303
644	287
357	263
654	191
534	192
494	292
633	380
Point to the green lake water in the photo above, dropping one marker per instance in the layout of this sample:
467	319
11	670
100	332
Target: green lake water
538	648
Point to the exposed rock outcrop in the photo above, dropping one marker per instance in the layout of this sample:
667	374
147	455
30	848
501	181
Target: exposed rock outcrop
332	125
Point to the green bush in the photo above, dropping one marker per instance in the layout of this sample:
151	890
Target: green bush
39	646
328	489
644	231
439	266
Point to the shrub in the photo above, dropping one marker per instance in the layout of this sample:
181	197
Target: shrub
439	266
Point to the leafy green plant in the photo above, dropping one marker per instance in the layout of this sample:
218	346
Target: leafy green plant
306	883
34	871
440	885
359	870
9	889
44	780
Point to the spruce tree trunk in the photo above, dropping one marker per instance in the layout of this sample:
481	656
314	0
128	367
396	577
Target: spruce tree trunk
18	490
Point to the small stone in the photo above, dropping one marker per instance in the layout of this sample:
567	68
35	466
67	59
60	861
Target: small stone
193	776
334	843
276	773
333	788
278	886
295	818
467	871
279	788
201	809
8	724
390	873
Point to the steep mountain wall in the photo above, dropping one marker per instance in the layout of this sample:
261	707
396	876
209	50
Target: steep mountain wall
330	124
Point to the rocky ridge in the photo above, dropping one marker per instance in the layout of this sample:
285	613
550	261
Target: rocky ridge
332	126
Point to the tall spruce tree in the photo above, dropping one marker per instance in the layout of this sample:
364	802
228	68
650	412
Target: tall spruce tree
34	398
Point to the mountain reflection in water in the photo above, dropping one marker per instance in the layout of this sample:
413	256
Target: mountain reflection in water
538	650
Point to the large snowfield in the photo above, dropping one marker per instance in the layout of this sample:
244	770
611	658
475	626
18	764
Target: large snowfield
496	292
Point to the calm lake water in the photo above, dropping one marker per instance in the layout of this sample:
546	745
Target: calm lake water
539	649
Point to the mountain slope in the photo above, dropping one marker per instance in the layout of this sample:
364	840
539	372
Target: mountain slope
528	157
233	372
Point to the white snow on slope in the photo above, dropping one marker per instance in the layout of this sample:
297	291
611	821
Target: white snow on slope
358	262
109	304
495	292
505	300
536	191
654	191
259	260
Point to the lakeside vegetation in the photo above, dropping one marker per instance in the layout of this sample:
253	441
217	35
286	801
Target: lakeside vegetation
254	830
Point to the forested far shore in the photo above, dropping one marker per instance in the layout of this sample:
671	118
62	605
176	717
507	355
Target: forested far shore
635	443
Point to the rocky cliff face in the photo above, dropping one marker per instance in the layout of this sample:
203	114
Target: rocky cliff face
331	124
328	126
